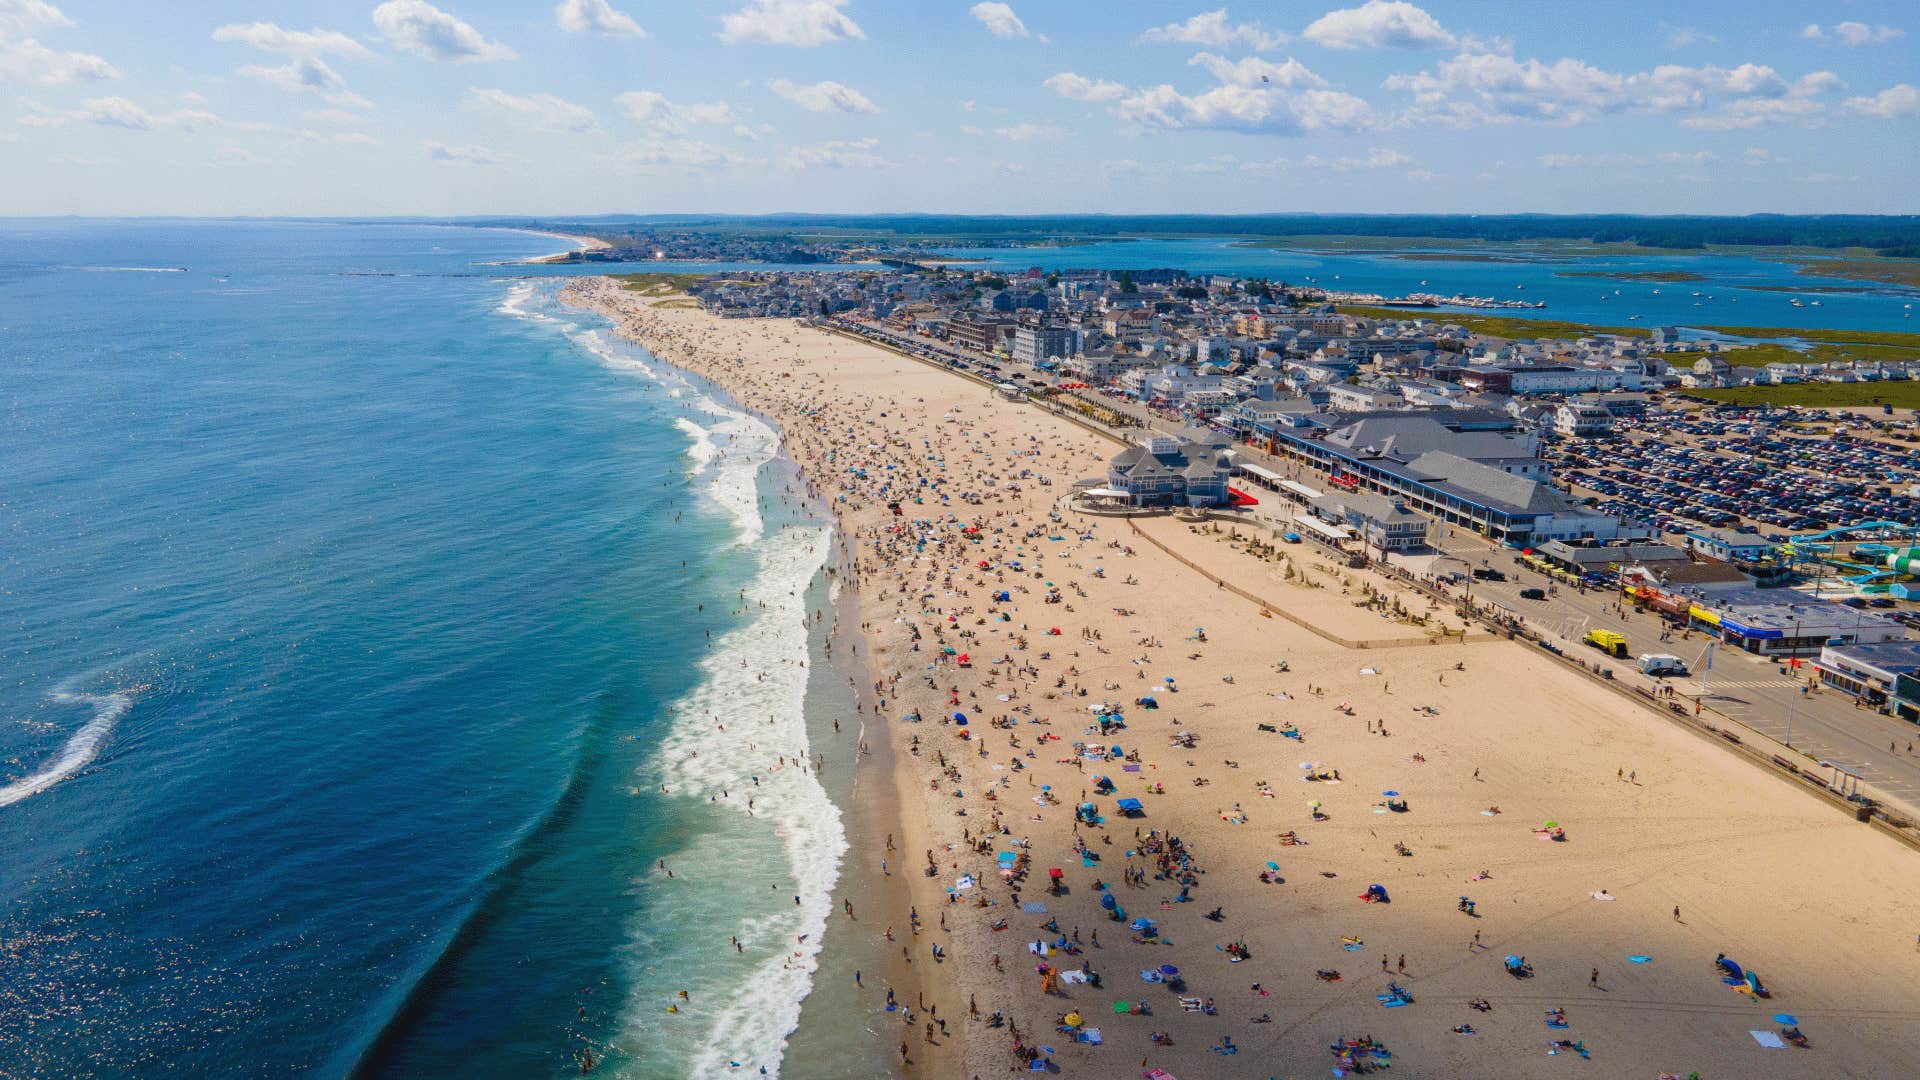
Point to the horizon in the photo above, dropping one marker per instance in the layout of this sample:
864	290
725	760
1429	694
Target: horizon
755	108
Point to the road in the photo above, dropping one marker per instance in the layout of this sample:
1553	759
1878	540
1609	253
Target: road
1822	723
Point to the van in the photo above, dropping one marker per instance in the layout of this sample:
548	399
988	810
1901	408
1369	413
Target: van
1607	641
1533	594
1661	664
1484	573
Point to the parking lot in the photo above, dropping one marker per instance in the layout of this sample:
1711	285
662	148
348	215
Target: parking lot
1748	474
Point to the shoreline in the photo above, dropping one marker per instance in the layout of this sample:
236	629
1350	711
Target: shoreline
825	1024
1686	830
580	243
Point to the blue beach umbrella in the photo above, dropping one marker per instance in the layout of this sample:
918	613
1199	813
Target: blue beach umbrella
1169	970
1391	794
1785	1018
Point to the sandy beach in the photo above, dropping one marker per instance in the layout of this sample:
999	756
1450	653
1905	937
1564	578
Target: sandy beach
1262	754
580	243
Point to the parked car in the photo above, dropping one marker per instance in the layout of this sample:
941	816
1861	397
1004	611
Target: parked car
1533	594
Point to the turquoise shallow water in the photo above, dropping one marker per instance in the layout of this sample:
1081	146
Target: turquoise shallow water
359	602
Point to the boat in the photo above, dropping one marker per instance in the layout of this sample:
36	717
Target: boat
1796	302
1816	303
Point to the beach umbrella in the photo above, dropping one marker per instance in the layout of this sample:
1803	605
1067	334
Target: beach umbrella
1073	1019
1549	824
1785	1018
1391	794
1169	970
1274	866
959	716
1314	805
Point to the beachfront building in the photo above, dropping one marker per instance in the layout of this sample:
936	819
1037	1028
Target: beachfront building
1868	672
1466	468
1729	546
1164	471
1760	623
1384	524
1036	344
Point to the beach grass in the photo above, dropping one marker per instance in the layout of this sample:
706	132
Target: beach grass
1502	326
1901	395
658	283
1891	271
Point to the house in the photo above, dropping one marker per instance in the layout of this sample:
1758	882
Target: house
1164	471
1582	420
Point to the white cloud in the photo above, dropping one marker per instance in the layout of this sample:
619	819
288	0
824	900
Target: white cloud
1590	161
804	23
1024	132
822	97
680	154
1080	88
25	60
269	37
1902	99
1253	71
1377	158
459	155
1853	33
1757	155
1490	88
28	61
838	154
308	73
1243	109
540	112
999	20
595	17
121	113
1379	24
21	16
420	28
656	110
354	138
1212	29
1683	37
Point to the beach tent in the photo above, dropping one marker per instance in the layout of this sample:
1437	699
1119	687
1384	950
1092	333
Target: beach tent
1130	807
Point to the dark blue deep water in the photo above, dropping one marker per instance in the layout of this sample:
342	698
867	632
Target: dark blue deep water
343	616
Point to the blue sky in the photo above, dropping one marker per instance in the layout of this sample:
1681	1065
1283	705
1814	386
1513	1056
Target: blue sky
596	106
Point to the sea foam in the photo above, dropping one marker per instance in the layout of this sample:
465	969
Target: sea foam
755	682
80	749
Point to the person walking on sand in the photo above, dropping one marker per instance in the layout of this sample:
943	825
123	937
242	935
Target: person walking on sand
1593	980
1676	913
1383	963
1403	963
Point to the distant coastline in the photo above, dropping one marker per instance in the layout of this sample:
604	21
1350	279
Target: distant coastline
580	243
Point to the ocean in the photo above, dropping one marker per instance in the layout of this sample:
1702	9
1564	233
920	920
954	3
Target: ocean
379	637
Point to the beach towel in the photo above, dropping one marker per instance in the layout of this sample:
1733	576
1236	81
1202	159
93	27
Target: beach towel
1092	1035
1388	1001
1768	1039
1034	907
1603	895
1129	768
1638	959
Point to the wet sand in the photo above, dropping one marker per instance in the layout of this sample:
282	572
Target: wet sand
1815	903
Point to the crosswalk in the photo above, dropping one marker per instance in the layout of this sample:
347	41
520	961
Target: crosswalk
1741	684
